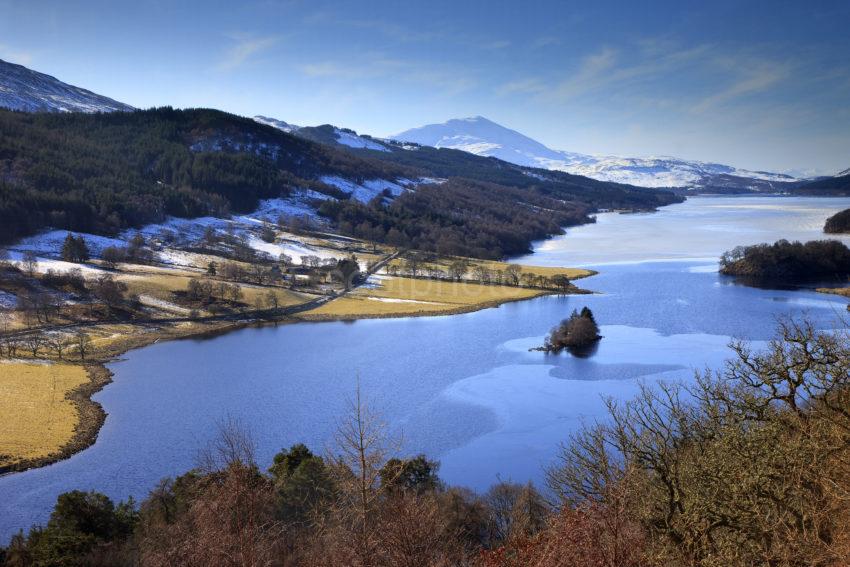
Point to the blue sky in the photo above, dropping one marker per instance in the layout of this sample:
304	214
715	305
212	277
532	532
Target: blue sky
762	85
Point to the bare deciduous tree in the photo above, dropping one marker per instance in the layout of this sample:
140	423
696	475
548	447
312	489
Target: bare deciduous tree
362	445
230	518
83	344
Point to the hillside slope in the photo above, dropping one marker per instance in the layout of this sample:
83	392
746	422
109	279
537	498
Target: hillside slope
103	173
30	91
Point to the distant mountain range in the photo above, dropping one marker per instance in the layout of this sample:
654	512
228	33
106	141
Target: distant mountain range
30	91
484	137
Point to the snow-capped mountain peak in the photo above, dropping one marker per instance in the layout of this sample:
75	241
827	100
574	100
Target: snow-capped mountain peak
481	136
30	91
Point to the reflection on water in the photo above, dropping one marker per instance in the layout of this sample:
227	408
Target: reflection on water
583	351
464	389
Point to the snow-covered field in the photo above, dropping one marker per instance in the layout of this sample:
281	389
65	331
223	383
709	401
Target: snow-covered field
44	264
50	243
293	248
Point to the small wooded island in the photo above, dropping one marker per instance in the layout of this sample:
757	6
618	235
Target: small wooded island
788	262
576	333
839	223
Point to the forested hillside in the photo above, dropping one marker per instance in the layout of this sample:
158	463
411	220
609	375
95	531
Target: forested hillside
459	217
838	185
104	173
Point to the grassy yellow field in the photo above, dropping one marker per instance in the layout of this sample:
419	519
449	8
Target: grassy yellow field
409	296
37	419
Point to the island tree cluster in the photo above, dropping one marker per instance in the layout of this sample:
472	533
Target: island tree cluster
839	223
788	262
576	332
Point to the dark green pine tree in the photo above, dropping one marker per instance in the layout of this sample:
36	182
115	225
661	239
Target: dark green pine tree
82	250
587	314
69	248
75	249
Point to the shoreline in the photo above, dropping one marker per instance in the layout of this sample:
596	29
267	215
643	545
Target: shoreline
92	416
460	310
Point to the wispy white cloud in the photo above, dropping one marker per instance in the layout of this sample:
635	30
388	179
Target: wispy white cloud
376	66
531	85
752	77
594	71
610	70
244	48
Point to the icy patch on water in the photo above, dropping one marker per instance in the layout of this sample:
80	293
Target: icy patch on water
533	413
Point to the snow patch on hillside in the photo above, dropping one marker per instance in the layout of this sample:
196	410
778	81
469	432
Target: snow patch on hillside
293	248
354	141
365	191
47	246
50	243
279	124
44	264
